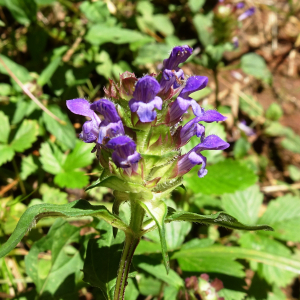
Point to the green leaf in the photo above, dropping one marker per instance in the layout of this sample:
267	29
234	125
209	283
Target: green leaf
75	209
244	205
163	24
292	144
7	154
157	271
28	166
283	214
57	277
47	73
148	285
158	212
196	256
175	232
24	11
72	179
99	34
131	290
146	247
52	195
195	5
4	128
203	23
220	218
25	136
271	274
223	177
241	148
274	112
65	134
151	53
109	249
251	107
294	172
95	12
19	71
51	159
80	157
253	64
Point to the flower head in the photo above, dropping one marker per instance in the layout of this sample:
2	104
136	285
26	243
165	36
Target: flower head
148	150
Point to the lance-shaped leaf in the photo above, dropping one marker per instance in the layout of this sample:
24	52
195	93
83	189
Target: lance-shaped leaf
158	212
220	218
189	258
75	209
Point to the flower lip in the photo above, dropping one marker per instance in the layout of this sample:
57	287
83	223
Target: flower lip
120	140
90	129
145	100
193	84
81	107
107	109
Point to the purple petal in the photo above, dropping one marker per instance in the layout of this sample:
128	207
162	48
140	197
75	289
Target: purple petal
212	142
179	54
249	12
110	130
210	116
145	99
80	107
193	84
107	109
197	110
146	89
125	155
89	132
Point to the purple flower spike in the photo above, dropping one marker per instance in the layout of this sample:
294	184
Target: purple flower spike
125	155
194	156
145	100
112	124
171	73
90	128
183	101
192	127
249	12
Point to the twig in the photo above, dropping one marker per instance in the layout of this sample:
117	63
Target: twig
29	94
70	52
280	188
8	187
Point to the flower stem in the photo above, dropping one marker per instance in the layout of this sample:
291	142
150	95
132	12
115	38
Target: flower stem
131	241
215	72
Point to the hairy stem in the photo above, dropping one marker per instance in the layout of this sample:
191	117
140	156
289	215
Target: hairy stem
131	241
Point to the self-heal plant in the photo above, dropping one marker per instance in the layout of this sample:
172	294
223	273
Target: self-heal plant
138	142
